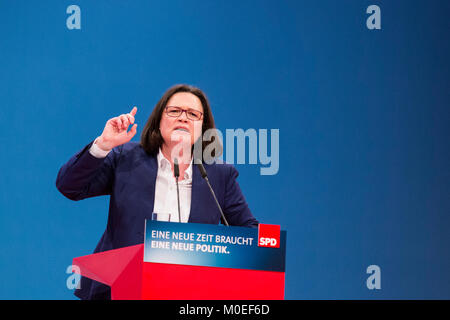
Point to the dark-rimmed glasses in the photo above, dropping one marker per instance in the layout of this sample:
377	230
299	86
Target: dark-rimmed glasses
176	112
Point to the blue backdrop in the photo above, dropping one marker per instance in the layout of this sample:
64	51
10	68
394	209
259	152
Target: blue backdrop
363	116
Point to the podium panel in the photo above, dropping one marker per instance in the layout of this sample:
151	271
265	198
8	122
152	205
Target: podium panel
194	261
179	282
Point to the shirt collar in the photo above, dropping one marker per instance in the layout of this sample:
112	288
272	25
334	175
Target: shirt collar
164	165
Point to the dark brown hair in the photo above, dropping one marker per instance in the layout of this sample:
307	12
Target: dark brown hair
151	138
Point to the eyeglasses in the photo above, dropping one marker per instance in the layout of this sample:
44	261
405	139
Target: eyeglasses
191	114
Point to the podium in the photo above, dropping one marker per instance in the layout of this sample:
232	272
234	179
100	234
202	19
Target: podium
190	261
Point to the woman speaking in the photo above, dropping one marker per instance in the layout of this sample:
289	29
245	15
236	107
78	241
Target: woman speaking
140	178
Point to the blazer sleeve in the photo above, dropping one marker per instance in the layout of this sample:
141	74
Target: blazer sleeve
85	176
236	209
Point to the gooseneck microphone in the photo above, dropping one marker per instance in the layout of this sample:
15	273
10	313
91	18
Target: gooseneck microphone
176	172
205	176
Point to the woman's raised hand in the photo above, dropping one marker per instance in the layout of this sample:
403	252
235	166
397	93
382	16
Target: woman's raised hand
116	131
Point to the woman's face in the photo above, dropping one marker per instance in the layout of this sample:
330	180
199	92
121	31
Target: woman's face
181	128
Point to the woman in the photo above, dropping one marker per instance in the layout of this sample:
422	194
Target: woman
140	180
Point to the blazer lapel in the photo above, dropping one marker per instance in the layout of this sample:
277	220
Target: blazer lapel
195	213
151	174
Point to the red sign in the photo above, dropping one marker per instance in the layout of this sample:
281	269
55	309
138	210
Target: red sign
269	235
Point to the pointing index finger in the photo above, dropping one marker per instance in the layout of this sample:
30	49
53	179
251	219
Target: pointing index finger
133	111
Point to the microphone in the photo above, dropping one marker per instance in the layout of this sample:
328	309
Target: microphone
176	171
176	168
205	176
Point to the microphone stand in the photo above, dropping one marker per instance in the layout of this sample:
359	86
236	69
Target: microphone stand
205	176
176	172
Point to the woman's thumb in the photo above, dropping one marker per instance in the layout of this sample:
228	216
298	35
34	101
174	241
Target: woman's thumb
132	131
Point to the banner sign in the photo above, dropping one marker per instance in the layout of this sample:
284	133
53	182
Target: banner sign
215	246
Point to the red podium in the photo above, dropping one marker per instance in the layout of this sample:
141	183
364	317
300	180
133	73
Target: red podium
132	272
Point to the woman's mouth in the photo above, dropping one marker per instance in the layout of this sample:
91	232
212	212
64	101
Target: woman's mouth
181	129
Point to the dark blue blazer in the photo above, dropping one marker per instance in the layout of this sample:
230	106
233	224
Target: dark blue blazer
128	175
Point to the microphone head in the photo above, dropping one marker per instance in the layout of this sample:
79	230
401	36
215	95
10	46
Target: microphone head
176	168
202	169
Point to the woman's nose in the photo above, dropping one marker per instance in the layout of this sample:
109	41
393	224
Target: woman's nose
183	116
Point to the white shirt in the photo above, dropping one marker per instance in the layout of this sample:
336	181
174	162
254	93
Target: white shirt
165	188
166	191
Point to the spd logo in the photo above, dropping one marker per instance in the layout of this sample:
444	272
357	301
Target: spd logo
269	235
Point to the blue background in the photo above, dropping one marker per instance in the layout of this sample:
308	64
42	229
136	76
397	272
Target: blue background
363	116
